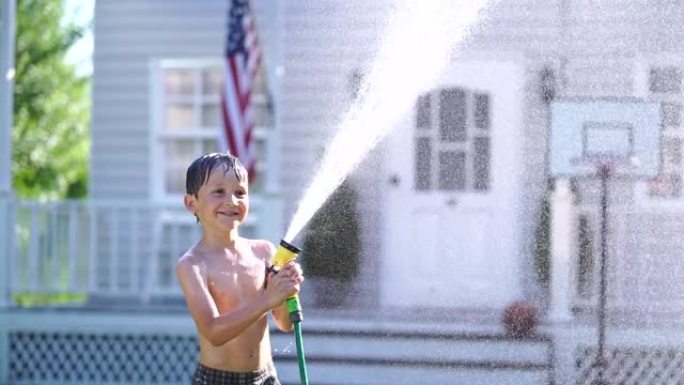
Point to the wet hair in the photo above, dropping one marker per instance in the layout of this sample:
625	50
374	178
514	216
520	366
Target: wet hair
199	171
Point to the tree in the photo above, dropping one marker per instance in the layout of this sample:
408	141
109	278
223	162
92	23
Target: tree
51	106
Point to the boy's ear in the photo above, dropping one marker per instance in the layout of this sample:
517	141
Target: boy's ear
190	203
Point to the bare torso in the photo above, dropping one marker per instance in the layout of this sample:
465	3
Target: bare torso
232	281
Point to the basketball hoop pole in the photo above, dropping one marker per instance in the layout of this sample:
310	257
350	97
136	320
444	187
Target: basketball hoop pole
601	362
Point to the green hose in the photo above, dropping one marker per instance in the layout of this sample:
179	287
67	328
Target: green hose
296	316
285	253
303	376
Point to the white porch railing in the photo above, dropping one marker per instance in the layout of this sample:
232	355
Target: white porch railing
110	250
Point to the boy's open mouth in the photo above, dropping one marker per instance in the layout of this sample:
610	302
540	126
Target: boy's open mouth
229	213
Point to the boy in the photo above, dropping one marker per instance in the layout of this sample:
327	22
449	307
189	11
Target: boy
227	280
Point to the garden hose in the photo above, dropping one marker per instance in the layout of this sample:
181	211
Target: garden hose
286	253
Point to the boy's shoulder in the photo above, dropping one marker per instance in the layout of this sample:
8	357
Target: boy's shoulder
261	248
191	258
191	264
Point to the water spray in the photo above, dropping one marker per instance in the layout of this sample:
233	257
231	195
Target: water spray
284	254
420	41
418	45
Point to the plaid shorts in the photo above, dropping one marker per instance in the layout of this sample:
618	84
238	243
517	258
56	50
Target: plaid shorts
209	376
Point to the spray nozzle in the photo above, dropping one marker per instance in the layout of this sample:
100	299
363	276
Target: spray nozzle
284	254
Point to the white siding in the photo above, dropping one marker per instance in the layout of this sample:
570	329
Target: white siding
129	35
268	22
323	43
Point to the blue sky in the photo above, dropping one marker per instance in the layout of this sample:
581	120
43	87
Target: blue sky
81	13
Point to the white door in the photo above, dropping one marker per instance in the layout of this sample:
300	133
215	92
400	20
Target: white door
450	238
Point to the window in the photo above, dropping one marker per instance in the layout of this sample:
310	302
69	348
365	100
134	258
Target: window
665	80
423	164
189	122
423	116
665	86
452	141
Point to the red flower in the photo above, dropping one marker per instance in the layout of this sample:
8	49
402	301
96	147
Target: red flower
520	319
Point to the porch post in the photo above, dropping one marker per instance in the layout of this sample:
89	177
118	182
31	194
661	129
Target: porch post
7	30
562	250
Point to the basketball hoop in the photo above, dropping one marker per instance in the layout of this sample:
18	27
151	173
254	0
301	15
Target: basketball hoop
622	135
627	167
604	138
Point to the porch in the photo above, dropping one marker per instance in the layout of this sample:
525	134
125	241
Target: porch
105	253
90	297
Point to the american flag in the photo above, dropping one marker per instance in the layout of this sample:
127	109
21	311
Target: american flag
243	56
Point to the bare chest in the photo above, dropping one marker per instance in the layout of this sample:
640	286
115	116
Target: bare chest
234	283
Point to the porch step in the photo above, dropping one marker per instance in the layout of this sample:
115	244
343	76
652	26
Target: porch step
395	354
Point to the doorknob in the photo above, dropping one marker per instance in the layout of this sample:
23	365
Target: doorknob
394	180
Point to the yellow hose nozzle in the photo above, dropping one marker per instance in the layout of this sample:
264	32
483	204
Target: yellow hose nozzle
284	254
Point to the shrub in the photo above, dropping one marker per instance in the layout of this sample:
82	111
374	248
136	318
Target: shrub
333	240
542	244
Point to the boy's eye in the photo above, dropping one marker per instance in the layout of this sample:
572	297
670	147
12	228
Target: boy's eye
219	191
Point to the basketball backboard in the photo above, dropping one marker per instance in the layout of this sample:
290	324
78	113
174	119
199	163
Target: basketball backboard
586	133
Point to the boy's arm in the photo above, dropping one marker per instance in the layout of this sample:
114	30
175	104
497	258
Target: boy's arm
216	328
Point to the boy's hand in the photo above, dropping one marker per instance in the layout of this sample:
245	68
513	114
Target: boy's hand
283	284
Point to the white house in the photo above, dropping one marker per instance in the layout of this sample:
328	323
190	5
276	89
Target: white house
166	81
450	202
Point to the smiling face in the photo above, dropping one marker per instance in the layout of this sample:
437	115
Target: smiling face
222	203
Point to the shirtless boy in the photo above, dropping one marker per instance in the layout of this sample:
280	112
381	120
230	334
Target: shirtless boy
228	285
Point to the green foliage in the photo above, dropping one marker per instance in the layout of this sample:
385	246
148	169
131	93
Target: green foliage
333	241
48	299
542	245
586	255
51	106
